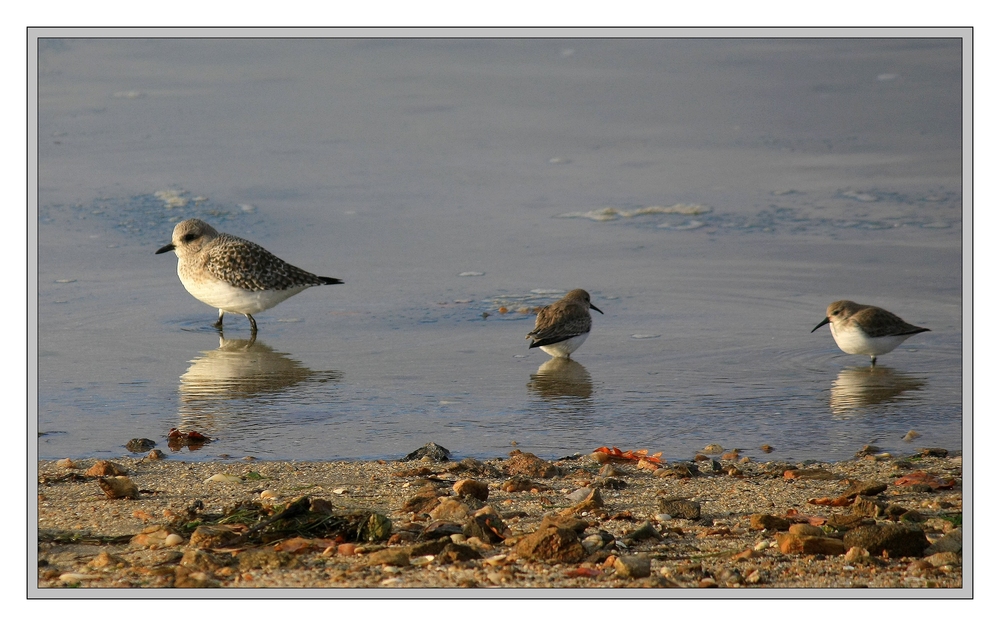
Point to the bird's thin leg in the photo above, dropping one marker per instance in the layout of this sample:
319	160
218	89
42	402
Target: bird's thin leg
253	323
873	360
218	324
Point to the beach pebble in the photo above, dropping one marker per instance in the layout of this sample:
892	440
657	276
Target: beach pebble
105	468
632	566
118	487
475	488
173	540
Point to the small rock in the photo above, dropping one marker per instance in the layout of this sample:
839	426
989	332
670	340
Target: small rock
151	536
580	495
804	530
942	559
632	566
390	556
951	542
487	526
346	549
266	559
610	471
799	544
156	455
474	467
424	501
552	544
765	521
454	552
432	451
522	483
469	487
118	487
66	464
376	527
645	531
172	540
856	555
729	576
866	451
935	452
838	521
679	507
527	464
187	579
613	484
911	435
868	507
451	509
199	560
679	469
713	448
593	543
814	473
104	559
427	547
591	502
209	537
864	488
105	468
441	528
140	445
896	540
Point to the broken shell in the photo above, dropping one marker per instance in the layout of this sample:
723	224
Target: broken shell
268	494
72	577
426	559
223	478
173	540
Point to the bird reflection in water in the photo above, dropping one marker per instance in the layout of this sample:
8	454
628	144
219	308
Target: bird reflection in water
561	378
239	380
857	387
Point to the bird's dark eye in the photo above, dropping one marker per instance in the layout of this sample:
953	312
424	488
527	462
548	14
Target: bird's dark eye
188	238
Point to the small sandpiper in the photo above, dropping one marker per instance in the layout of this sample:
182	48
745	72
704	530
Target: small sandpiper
865	329
232	274
563	326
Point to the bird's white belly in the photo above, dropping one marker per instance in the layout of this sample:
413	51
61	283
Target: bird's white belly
565	348
225	297
854	341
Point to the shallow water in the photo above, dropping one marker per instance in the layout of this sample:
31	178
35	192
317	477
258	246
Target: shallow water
712	195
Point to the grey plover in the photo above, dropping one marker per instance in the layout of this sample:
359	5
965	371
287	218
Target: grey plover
865	329
563	326
232	274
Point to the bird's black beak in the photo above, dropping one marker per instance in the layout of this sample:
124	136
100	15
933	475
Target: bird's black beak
166	248
826	320
597	309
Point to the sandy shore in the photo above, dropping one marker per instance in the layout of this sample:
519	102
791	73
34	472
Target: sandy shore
515	523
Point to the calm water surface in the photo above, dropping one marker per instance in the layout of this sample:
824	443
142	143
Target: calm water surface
712	195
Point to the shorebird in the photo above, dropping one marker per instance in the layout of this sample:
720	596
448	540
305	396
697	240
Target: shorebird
563	326
865	329
232	274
